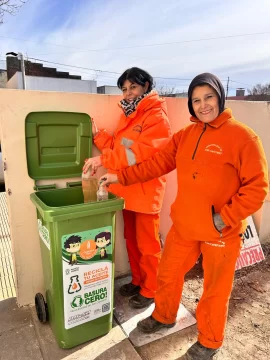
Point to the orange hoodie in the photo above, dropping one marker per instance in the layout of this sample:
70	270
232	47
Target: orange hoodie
137	137
221	167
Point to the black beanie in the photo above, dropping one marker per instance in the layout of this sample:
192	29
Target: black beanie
207	79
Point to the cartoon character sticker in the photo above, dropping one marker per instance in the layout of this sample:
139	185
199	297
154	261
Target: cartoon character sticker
81	248
103	240
72	246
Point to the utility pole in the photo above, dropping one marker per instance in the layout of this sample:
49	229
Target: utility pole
227	88
20	57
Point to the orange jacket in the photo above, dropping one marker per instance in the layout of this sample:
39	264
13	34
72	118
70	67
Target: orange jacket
138	137
221	167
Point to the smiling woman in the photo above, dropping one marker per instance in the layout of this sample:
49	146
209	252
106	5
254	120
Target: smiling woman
222	179
142	131
205	103
206	97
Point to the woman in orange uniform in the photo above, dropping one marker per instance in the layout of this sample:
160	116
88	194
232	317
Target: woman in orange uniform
142	131
222	179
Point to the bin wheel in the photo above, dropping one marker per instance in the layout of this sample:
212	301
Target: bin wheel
41	308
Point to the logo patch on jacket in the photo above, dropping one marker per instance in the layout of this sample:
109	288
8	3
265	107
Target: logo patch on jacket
137	128
214	148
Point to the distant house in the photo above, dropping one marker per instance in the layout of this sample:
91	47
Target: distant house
109	90
178	95
39	77
240	95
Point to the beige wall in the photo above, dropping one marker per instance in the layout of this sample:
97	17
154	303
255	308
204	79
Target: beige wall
16	104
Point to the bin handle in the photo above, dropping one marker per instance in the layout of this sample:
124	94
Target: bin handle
74	184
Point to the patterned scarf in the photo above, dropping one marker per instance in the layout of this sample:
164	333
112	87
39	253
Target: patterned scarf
130	107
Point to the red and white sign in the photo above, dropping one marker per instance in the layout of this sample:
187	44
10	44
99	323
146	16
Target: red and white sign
251	252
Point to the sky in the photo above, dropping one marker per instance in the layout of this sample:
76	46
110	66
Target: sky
99	39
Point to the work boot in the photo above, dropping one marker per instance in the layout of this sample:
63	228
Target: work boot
139	302
151	325
129	289
199	352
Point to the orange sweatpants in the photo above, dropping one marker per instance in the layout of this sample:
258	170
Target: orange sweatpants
219	259
141	232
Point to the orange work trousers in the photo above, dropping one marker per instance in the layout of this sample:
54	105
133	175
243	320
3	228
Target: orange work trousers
219	260
141	232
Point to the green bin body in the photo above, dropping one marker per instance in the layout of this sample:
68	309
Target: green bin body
77	239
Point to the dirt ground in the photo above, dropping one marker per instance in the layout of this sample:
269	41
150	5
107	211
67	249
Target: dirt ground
248	328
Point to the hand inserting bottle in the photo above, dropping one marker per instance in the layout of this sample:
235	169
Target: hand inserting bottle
102	193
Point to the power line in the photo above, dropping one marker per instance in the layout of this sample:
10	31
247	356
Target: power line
99	51
146	45
106	71
74	66
110	72
193	40
99	71
169	78
117	73
238	82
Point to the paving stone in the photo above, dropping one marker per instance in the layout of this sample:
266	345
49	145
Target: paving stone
20	344
13	317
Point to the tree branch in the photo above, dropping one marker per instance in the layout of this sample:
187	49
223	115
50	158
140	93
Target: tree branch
10	7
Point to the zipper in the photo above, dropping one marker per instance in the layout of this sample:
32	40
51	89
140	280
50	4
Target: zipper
196	148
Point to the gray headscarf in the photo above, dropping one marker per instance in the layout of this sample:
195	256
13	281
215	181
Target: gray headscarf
207	79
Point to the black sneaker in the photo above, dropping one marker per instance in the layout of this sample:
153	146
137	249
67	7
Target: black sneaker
199	352
139	302
129	289
151	325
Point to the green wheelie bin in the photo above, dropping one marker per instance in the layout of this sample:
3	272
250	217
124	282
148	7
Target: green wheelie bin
77	239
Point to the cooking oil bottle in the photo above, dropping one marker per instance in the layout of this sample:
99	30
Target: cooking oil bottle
90	187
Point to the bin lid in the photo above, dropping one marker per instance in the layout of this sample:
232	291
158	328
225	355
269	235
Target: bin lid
57	143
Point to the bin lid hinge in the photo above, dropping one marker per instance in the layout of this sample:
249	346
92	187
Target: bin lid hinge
74	184
44	187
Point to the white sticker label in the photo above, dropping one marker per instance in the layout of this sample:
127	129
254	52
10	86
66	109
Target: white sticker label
87	275
44	234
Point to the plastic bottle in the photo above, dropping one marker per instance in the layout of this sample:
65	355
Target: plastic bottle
102	193
90	187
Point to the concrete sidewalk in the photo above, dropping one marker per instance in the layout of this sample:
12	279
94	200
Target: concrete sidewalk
23	337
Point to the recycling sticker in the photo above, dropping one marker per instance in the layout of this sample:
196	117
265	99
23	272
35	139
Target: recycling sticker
87	275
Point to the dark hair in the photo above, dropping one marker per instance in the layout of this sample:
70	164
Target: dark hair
105	234
136	75
211	80
74	239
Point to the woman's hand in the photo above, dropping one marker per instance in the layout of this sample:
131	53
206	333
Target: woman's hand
94	127
219	224
108	179
94	163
